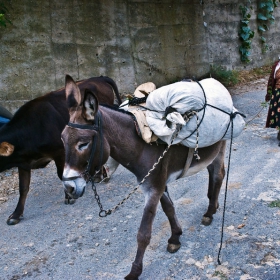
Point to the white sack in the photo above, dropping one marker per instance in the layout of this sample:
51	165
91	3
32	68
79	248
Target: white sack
187	96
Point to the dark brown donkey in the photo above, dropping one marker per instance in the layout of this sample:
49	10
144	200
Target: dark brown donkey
32	138
96	132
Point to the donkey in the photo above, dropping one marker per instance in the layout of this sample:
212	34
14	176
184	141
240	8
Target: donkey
32	138
95	132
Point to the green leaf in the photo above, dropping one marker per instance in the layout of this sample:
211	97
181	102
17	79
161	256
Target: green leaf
263	39
265	26
262	5
245	29
245	36
247	44
269	7
261	16
248	16
261	28
252	34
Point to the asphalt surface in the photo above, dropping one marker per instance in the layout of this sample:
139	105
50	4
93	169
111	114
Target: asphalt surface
58	241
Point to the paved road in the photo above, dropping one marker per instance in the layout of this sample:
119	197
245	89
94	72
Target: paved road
57	241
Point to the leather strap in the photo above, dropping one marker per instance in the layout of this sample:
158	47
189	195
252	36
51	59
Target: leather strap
188	163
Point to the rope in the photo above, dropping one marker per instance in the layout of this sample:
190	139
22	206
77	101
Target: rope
255	116
225	199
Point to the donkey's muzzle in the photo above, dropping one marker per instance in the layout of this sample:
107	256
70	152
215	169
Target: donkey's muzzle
69	189
73	189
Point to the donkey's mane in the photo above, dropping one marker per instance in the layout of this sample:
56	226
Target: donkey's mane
117	109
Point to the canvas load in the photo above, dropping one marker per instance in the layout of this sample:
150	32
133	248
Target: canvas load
167	105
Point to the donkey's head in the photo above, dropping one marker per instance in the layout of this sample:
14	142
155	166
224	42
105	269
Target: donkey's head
82	139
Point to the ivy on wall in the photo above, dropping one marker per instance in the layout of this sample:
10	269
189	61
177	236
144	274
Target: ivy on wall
245	33
3	14
265	18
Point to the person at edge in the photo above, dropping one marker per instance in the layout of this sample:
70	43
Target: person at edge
273	95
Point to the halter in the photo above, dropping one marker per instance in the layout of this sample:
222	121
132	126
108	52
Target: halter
97	126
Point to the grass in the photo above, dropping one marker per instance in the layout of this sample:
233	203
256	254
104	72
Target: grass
221	275
226	77
232	77
275	203
254	74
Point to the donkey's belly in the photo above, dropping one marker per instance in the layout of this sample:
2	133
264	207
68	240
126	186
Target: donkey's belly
197	166
191	171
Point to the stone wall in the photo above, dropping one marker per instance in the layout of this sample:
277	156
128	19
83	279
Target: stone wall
130	41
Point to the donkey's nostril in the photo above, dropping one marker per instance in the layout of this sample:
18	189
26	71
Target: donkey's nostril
69	189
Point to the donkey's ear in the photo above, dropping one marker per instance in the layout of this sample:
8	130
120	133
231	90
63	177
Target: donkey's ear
73	94
6	149
90	105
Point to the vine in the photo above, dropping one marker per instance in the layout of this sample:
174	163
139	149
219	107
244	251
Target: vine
3	14
265	18
245	33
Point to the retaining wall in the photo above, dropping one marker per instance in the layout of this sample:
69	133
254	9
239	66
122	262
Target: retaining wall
131	41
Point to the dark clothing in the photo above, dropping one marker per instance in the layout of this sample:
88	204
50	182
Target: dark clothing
273	94
273	116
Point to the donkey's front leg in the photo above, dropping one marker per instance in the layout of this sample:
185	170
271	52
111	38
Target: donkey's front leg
176	230
144	234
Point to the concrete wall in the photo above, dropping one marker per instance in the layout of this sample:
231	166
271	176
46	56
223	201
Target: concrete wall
131	41
223	23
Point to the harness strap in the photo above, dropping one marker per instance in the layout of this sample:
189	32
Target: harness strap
188	163
83	126
97	126
69	178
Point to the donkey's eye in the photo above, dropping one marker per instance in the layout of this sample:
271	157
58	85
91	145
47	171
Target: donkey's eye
83	146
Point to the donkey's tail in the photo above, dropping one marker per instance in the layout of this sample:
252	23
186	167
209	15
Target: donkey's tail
112	83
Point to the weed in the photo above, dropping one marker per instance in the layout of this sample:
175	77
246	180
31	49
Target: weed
226	77
275	203
221	275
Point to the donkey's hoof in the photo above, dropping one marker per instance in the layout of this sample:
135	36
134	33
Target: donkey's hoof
69	201
13	221
130	277
206	221
173	248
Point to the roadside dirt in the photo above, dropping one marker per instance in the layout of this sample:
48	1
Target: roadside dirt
55	241
8	184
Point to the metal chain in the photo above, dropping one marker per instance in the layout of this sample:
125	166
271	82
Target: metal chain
104	213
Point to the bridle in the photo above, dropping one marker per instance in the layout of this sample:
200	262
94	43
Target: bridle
97	126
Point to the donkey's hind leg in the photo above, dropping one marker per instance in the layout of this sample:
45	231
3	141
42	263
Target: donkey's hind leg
216	172
176	230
